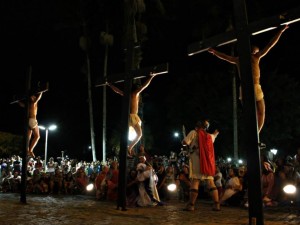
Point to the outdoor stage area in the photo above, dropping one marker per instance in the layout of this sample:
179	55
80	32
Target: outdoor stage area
84	209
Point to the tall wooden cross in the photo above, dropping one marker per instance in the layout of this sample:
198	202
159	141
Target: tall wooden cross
25	99
127	78
241	35
130	74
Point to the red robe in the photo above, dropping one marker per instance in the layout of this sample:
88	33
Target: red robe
207	153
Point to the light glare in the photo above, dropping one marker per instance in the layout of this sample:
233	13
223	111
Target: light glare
172	187
289	189
132	134
90	187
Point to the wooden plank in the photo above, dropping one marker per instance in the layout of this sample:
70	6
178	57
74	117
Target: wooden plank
136	74
254	28
39	89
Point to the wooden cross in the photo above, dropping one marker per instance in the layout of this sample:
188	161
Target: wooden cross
38	88
250	143
127	78
131	73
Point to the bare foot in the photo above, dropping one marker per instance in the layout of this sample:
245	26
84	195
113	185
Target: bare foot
31	154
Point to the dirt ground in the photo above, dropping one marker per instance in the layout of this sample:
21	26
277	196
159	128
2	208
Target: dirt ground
85	210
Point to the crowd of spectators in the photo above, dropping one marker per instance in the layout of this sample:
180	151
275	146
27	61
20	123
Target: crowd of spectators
66	176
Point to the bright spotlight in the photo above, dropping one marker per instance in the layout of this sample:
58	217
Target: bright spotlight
132	134
240	161
290	189
52	127
42	127
229	159
274	151
172	187
90	187
176	134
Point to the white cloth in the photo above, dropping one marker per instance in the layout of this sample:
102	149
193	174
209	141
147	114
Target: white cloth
234	184
218	182
144	199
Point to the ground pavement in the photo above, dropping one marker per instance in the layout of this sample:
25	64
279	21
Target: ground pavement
85	210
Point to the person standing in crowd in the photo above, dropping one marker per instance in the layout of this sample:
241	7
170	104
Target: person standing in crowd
218	178
201	162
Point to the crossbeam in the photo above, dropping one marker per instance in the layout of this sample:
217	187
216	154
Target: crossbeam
135	74
254	28
39	89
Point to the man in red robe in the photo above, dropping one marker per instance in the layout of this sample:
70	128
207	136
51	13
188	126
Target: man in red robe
201	162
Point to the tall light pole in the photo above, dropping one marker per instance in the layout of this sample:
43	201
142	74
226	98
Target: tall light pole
51	127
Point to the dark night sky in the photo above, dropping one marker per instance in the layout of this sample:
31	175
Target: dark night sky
36	38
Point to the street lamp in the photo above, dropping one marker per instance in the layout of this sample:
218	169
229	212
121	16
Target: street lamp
51	127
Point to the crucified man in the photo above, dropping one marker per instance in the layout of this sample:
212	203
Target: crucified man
134	119
256	55
32	122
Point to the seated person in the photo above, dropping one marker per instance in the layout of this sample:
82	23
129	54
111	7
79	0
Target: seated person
233	188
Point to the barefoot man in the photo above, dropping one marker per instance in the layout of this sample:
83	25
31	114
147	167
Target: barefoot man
134	119
32	122
256	55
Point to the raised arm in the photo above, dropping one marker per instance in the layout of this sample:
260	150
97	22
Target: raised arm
38	96
223	56
145	84
272	43
115	89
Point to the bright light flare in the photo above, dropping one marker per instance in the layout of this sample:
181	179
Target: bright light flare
132	134
52	127
172	187
90	187
274	151
289	189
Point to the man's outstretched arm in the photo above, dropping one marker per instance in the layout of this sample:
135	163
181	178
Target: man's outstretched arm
223	56
115	89
273	42
146	83
39	96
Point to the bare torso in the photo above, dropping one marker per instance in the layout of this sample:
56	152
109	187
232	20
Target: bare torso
134	107
255	69
32	107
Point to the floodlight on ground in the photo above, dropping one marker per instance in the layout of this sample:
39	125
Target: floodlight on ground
290	189
90	187
172	187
